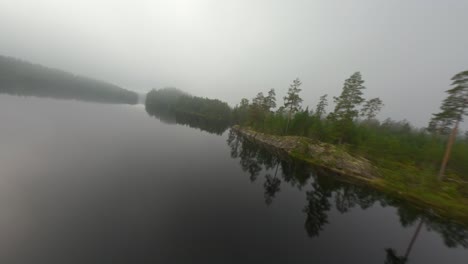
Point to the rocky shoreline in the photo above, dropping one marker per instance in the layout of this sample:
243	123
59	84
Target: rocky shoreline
353	168
318	153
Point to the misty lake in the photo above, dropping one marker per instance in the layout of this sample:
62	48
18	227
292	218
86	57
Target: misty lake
99	183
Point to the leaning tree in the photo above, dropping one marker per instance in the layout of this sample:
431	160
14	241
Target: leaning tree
453	108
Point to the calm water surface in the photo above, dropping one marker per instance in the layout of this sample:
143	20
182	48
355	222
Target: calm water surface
95	183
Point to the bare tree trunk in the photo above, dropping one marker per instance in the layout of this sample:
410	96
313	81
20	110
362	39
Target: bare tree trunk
448	150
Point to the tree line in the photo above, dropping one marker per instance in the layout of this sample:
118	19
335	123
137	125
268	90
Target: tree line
352	124
23	78
211	115
397	147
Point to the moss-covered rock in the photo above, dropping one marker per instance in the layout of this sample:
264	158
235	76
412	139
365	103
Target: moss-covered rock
319	153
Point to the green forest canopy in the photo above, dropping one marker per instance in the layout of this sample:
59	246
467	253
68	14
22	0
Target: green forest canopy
392	145
395	145
176	101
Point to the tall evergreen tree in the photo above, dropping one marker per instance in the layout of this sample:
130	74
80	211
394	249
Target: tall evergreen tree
346	108
320	110
350	98
241	111
292	101
244	103
259	99
270	100
453	108
371	108
257	108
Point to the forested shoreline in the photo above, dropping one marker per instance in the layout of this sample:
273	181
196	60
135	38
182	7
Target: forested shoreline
396	145
352	125
173	105
18	77
253	158
428	162
408	158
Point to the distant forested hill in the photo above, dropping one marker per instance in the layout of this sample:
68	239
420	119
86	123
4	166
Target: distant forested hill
23	78
174	100
172	105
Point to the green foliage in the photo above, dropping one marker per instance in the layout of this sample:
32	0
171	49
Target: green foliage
23	78
394	141
346	108
211	115
292	101
240	112
371	108
258	108
398	181
164	99
392	145
269	102
454	106
320	110
350	98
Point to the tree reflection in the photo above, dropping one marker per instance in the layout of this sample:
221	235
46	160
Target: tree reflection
272	186
248	160
453	234
233	143
296	173
318	205
345	198
194	121
393	258
325	192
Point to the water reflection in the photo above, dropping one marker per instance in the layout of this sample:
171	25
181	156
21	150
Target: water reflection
393	258
325	192
272	186
194	121
75	189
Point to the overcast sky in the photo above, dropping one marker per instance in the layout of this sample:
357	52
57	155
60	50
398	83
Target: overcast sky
406	50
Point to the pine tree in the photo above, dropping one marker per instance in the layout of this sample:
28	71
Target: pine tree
259	99
244	103
371	108
269	101
292	101
453	108
240	112
257	108
346	108
350	98
320	110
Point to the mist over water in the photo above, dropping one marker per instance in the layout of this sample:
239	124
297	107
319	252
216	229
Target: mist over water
117	145
95	183
407	51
